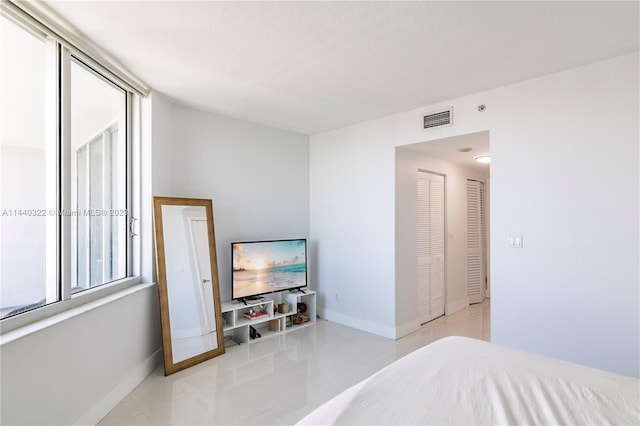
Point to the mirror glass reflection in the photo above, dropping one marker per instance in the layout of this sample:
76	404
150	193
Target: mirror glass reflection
188	281
191	312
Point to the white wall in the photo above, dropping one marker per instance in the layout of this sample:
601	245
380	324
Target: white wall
352	219
406	260
165	144
155	163
77	368
257	177
564	174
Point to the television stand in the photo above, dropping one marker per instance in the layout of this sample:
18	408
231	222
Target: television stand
297	290
237	325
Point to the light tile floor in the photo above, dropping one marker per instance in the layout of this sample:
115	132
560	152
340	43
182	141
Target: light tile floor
281	379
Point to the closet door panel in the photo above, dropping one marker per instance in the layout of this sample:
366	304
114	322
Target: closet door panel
424	250
436	208
475	242
431	246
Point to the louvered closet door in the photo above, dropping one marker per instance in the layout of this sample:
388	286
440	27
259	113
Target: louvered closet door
430	246
424	249
437	246
475	242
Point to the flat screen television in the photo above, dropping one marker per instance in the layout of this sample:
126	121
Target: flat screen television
260	267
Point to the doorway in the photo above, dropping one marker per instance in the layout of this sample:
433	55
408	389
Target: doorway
199	258
203	272
452	158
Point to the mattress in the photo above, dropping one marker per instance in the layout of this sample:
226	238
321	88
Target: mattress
463	381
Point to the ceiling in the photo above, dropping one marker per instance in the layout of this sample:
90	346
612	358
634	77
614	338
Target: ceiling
310	67
448	149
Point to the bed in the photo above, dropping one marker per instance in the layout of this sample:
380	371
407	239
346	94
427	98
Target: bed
463	381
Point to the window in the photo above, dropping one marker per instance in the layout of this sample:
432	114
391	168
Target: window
27	236
65	188
98	180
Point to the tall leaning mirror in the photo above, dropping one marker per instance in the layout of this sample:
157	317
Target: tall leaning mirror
187	281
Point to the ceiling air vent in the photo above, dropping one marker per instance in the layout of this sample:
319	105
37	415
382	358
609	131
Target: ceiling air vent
438	119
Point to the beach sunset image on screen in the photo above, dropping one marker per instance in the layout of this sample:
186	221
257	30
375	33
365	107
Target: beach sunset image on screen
266	266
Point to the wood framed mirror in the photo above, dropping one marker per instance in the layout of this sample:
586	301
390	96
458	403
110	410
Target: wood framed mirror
188	285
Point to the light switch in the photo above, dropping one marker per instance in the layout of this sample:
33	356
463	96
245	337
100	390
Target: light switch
515	241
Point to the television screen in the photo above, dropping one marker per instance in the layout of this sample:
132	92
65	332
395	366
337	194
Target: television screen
261	267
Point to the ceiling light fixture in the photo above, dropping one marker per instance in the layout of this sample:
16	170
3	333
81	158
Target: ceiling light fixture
483	158
464	149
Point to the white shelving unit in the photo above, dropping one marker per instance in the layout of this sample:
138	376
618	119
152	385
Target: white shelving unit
236	325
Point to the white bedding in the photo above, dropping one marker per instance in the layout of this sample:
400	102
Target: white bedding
463	381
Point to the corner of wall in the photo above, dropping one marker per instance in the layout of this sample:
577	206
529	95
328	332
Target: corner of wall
407	328
454	307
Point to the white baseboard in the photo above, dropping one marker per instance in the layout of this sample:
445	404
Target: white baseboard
457	306
385	331
360	324
102	407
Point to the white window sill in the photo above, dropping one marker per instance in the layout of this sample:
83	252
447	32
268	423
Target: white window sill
22	325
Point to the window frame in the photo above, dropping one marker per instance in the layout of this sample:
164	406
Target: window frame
68	151
59	106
